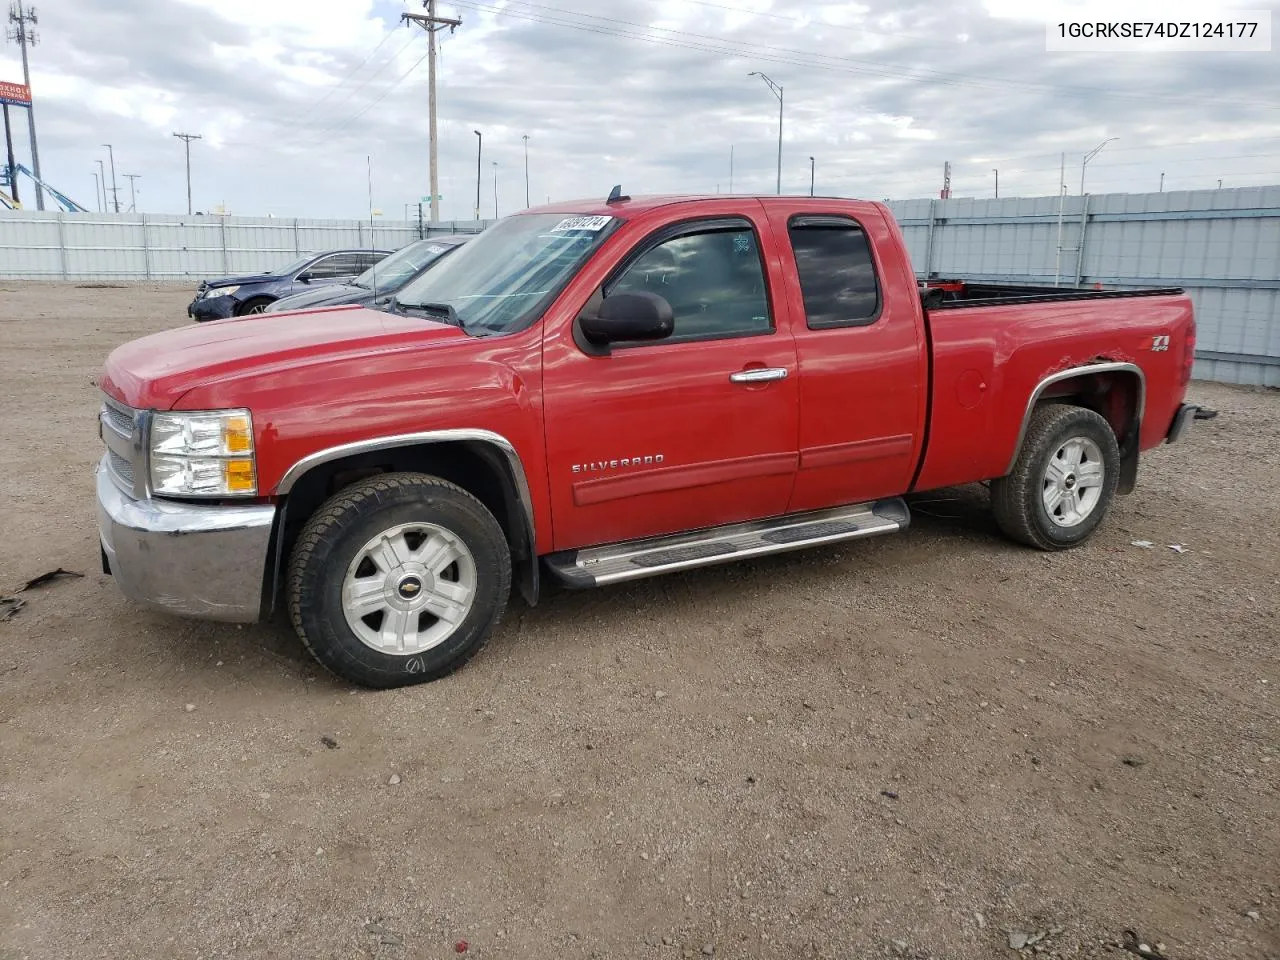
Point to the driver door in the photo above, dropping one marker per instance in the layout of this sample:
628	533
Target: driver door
696	430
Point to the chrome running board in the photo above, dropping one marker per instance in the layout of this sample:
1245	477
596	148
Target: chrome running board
634	559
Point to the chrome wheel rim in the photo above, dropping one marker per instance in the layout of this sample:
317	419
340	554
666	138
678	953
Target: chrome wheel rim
257	308
409	588
1073	480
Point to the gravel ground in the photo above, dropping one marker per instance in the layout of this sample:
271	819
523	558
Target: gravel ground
928	745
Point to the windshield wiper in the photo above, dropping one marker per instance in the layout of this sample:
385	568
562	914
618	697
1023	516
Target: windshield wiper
443	310
362	286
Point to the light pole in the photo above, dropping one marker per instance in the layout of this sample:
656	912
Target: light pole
479	145
1162	181
115	192
96	196
102	179
1089	156
777	92
525	138
997	173
811	176
495	189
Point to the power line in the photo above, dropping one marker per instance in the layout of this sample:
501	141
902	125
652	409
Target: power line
319	134
338	85
627	29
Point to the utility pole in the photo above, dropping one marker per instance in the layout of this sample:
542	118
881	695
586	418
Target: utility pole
22	34
133	196
1162	181
525	138
777	92
432	24
115	191
13	167
479	147
997	173
186	138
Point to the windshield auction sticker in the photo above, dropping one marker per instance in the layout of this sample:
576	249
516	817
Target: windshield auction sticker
581	223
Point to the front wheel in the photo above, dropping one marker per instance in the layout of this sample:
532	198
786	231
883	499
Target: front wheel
256	305
1063	481
398	579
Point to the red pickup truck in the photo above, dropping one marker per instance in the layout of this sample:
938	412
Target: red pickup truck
605	391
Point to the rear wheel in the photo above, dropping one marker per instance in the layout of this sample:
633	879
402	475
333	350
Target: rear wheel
1063	481
398	579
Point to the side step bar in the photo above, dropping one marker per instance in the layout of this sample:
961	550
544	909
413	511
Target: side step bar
633	559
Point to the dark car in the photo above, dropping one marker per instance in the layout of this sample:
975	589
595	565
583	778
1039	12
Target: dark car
237	296
375	287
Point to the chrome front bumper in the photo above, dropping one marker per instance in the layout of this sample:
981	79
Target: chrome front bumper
185	558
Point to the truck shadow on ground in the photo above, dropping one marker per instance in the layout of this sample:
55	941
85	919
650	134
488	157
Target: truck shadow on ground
948	524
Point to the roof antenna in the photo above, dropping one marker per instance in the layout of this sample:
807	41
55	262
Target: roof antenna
616	195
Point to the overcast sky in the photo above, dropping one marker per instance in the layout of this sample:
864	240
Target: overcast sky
292	95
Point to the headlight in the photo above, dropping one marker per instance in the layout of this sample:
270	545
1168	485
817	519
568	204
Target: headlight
220	292
203	454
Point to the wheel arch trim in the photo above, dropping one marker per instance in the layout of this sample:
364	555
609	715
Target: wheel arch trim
1069	374
474	435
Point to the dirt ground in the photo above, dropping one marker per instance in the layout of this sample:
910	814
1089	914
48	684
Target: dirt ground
917	746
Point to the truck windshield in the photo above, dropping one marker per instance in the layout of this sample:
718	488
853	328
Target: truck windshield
500	281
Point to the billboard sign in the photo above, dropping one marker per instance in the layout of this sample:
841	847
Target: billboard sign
19	94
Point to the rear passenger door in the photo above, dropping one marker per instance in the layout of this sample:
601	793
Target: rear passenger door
861	354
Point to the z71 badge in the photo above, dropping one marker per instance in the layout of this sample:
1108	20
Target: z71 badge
1160	344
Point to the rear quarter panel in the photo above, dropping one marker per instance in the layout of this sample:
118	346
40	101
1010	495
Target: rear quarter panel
989	362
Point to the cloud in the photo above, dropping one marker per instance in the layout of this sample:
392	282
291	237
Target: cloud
292	95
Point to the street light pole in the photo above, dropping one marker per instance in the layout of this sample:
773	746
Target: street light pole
115	192
97	198
479	146
997	173
525	138
776	88
811	176
1089	156
495	189
102	179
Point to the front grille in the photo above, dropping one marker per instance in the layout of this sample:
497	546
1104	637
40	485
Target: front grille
121	467
118	427
120	420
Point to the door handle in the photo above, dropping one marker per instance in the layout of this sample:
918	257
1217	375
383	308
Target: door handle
759	375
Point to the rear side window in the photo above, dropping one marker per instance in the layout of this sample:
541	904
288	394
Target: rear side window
837	275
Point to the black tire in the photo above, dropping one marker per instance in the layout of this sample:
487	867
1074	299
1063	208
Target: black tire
255	305
329	544
1018	499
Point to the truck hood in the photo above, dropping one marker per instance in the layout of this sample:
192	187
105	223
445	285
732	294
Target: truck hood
155	371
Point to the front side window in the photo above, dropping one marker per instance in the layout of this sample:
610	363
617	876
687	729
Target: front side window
394	271
327	268
713	279
837	275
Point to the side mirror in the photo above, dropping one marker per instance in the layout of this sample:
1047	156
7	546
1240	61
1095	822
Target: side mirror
304	278
629	316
